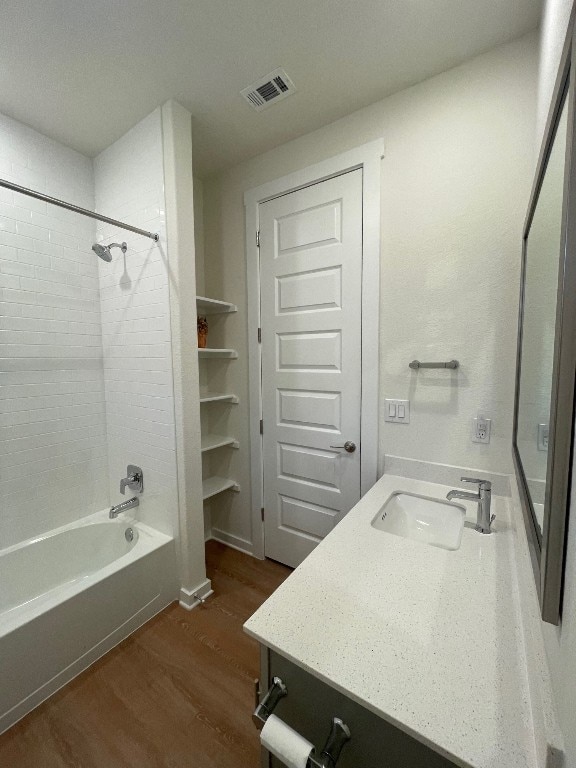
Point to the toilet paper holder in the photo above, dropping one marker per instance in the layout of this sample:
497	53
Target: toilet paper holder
339	732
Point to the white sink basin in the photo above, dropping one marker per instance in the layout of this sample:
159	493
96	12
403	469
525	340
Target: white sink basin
422	518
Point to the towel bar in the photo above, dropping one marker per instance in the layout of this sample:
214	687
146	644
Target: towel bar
415	364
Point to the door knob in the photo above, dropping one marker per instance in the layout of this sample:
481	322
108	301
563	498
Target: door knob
348	446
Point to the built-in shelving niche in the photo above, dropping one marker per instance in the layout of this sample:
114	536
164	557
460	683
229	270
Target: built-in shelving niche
208	352
213	485
218	397
205	306
211	442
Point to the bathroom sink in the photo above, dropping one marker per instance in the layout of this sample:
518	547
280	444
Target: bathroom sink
422	518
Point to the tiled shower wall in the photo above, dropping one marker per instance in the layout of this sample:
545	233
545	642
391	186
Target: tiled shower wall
134	290
53	464
85	355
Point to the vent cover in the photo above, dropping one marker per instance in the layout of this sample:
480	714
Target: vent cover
268	90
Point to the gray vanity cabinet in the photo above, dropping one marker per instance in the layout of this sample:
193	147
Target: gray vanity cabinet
310	706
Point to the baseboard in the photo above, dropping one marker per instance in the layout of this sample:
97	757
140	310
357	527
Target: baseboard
445	474
191	598
242	545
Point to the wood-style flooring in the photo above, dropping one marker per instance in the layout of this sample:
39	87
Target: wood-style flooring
178	693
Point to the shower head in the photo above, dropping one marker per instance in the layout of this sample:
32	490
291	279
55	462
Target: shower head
103	251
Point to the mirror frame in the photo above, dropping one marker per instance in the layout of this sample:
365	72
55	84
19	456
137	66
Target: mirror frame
547	549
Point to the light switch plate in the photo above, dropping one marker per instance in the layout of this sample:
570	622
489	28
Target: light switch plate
397	411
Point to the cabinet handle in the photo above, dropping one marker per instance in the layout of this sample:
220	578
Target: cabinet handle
339	732
256	693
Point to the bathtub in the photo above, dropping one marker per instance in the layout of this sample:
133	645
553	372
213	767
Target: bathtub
69	596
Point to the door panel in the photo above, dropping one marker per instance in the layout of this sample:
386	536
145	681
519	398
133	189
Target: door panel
310	351
310	275
312	410
309	291
309	228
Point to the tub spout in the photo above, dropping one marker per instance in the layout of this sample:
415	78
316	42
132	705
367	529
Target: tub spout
123	507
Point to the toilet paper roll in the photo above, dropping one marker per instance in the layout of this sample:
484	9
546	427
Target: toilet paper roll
285	743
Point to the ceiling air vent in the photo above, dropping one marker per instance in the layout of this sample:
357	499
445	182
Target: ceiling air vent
268	90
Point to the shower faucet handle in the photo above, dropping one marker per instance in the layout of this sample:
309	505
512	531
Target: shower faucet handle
134	479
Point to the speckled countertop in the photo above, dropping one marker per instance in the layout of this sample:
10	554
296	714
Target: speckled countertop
428	639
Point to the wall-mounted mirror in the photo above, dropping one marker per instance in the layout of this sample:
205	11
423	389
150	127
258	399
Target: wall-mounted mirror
544	409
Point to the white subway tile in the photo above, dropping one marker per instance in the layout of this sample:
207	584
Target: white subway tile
28	178
16	241
37	259
9	281
18	297
64	265
30	230
60	238
78	330
15	268
7	224
49	249
15	213
30	203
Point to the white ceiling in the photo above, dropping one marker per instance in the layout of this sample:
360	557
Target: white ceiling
84	71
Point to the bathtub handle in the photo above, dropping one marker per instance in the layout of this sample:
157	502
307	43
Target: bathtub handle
134	479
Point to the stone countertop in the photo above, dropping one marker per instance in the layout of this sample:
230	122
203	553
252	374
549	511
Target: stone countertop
426	638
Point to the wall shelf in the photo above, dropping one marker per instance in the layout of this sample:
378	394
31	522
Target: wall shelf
214	485
206	306
218	397
209	353
210	442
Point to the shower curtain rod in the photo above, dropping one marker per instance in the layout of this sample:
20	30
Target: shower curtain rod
77	209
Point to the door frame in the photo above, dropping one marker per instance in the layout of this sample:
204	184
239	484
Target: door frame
368	158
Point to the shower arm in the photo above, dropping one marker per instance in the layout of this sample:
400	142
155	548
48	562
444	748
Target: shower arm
77	209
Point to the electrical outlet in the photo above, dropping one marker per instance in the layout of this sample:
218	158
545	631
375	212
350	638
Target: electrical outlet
481	430
543	437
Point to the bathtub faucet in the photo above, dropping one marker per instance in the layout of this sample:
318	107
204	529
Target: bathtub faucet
134	479
123	507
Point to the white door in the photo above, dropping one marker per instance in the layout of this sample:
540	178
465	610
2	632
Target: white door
311	299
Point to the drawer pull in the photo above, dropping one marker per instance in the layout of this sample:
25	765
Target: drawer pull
339	735
268	704
339	732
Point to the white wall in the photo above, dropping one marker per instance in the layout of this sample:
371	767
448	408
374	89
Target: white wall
184	238
455	185
52	423
561	641
129	178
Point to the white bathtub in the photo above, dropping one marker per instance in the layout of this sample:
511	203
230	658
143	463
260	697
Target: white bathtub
69	596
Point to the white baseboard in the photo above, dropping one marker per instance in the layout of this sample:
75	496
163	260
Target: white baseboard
190	598
242	545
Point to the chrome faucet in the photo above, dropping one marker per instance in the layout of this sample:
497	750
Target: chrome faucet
123	507
483	497
134	480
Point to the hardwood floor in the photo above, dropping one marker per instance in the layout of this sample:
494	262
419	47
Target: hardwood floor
178	693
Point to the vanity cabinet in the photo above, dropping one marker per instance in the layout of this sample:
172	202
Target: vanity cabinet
310	706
